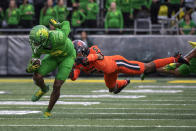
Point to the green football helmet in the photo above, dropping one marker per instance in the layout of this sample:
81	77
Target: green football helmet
38	36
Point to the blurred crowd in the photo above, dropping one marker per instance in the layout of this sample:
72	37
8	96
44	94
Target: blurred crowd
117	14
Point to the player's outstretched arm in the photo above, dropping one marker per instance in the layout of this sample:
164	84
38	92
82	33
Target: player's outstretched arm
64	26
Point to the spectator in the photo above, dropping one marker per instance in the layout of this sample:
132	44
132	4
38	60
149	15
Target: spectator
81	4
174	5
125	8
78	17
1	16
26	15
92	11
108	3
187	25
47	13
12	15
85	38
61	11
154	10
114	18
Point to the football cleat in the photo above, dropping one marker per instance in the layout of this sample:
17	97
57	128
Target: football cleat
46	114
111	90
193	44
171	66
118	90
39	94
181	59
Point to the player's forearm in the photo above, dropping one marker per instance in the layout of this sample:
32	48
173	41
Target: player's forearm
94	57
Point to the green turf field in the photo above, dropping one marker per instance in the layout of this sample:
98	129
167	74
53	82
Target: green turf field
154	105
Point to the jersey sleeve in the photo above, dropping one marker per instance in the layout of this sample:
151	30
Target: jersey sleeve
65	27
95	50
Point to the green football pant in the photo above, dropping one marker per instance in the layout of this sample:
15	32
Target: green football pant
63	64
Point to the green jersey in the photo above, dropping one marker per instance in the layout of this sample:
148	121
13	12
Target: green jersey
77	15
49	14
187	27
125	6
12	16
92	10
114	19
58	44
24	9
61	12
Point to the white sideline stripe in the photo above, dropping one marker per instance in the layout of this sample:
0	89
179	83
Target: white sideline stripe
99	126
97	96
46	103
178	109
11	112
93	119
170	86
103	113
152	104
144	91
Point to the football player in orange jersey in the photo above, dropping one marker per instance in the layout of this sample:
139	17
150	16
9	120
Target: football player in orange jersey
91	59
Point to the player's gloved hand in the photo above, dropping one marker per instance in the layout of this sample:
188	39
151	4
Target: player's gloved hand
82	60
54	22
34	65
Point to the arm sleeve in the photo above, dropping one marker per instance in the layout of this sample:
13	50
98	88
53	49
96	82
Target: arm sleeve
21	11
65	27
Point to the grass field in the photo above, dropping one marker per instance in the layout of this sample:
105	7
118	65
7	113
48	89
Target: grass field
85	105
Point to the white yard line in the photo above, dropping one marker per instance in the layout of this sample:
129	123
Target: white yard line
103	113
46	103
99	96
64	108
143	91
14	112
169	86
104	100
3	92
100	126
124	119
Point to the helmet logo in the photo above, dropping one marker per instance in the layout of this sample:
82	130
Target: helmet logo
42	32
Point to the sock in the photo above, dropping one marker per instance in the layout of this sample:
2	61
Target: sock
121	83
163	62
47	110
44	89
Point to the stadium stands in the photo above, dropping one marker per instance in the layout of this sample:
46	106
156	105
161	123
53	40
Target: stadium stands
97	16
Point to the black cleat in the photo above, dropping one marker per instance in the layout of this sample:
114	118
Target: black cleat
181	59
118	90
111	90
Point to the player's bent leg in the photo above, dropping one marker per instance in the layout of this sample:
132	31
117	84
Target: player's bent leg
48	65
110	81
64	69
39	81
121	84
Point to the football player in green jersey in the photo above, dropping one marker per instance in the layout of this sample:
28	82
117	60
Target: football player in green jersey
60	54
